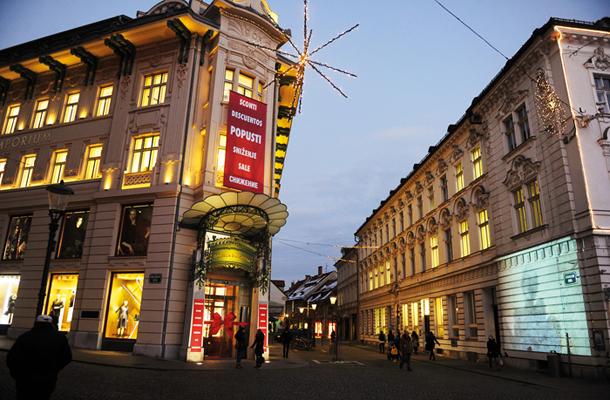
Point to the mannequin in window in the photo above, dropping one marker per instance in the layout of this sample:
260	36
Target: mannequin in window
123	312
11	307
56	307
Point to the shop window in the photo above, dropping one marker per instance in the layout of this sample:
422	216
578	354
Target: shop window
72	234
59	164
484	229
71	107
123	314
11	119
135	230
414	316
470	315
60	299
9	284
438	317
40	115
103	102
17	237
452	307
477	162
94	158
459	176
27	168
464	239
602	89
144	156
153	91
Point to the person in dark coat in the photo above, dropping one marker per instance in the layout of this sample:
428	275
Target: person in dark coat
493	351
415	341
391	338
36	358
286	337
430	344
241	345
259	348
406	348
382	342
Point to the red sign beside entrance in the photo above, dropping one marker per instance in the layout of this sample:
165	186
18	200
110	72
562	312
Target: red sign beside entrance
263	322
245	151
197	325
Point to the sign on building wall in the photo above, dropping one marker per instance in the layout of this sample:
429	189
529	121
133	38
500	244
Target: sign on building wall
245	151
263	321
197	325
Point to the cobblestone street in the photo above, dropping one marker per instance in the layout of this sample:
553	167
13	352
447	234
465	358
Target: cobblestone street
363	374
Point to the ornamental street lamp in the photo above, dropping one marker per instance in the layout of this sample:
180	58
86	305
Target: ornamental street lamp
309	307
59	194
333	301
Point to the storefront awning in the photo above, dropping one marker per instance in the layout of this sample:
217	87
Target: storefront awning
237	213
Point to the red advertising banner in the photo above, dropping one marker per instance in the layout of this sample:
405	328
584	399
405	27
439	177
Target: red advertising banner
263	322
245	151
197	326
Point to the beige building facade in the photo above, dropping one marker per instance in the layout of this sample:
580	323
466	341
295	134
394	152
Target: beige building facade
503	228
159	252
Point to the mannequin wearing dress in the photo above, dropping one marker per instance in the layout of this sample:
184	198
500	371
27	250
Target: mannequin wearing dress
123	312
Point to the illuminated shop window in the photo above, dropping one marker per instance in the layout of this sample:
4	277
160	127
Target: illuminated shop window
471	315
414	316
59	164
523	123
452	307
519	204
379	320
60	300
459	176
103	102
464	239
153	91
534	199
220	163
135	230
9	285
438	317
11	119
144	156
17	237
40	115
434	251
72	236
71	107
123	313
94	158
509	133
2	168
27	169
484	229
602	89
477	162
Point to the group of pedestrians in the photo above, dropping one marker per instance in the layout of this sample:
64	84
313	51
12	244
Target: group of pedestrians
241	345
406	345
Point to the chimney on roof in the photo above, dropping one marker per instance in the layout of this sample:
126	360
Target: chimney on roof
307	276
320	270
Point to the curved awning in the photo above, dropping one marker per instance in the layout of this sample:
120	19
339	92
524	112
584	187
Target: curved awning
237	213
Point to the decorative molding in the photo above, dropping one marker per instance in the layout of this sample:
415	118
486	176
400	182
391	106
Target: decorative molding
480	199
522	170
445	219
461	210
441	167
456	154
600	59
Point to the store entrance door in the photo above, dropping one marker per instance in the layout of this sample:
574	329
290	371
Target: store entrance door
227	306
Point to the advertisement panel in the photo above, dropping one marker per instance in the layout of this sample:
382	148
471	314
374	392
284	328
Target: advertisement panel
245	151
263	320
197	325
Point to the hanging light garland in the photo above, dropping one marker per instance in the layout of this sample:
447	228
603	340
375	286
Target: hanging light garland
303	59
549	106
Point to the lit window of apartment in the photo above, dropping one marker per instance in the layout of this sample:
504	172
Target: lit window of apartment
534	199
59	164
40	115
370	280
71	107
220	163
438	317
414	316
459	176
27	170
452	308
509	132
602	89
470	316
519	204
434	251
388	274
477	162
422	256
260	91
448	245
245	85
523	123
376	277
484	229
144	155
444	189
154	89
11	119
94	158
103	101
464	239
431	198
228	85
420	208
2	168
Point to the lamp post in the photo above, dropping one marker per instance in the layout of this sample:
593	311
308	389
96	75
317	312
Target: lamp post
59	194
333	301
309	307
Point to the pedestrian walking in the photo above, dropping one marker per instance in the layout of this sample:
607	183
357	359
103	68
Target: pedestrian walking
391	339
286	337
241	345
430	344
259	345
415	341
493	352
382	342
36	358
406	348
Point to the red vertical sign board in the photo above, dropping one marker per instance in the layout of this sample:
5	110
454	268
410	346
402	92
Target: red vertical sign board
245	151
197	326
262	321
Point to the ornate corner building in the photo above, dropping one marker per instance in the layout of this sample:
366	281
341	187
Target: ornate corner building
172	129
503	228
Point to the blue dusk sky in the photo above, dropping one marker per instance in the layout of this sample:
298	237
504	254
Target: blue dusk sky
418	69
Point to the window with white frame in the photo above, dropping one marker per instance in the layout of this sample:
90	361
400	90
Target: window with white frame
103	101
464	239
477	162
602	89
245	85
40	115
484	229
11	119
27	169
459	176
59	164
470	316
154	89
434	251
452	308
94	158
228	85
144	155
71	107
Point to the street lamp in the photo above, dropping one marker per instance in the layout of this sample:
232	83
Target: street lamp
59	194
309	307
333	300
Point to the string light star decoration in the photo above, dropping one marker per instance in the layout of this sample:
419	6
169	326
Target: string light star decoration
303	60
549	106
